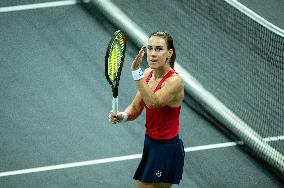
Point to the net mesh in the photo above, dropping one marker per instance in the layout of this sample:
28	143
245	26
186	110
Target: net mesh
238	60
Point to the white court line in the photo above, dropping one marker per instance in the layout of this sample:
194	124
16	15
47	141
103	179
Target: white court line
71	165
38	5
124	158
212	146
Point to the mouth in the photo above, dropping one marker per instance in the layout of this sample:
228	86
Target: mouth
153	61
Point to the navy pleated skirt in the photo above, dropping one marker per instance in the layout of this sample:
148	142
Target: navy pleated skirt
162	161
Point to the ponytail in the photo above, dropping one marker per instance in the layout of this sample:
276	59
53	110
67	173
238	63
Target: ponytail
173	58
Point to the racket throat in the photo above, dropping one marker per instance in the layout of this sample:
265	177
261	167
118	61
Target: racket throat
114	92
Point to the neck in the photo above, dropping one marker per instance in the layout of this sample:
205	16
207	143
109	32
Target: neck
159	73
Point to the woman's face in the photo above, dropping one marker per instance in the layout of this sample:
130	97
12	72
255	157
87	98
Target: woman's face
157	52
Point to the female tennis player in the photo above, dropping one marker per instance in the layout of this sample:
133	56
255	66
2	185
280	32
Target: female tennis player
160	92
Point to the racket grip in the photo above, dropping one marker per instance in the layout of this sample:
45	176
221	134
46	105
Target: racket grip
115	105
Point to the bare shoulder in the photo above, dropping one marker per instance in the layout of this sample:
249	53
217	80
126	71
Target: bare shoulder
175	82
175	87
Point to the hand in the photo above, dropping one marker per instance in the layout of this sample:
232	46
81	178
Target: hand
138	59
115	118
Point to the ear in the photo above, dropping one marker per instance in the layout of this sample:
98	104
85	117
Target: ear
170	53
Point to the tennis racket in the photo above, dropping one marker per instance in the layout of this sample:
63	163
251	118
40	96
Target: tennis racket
113	64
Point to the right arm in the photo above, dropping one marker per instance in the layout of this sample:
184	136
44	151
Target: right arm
136	107
133	110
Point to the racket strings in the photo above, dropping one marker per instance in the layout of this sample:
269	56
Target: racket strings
116	55
114	58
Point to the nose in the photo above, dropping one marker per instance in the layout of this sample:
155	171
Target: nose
152	52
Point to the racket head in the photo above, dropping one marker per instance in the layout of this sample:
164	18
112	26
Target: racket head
114	59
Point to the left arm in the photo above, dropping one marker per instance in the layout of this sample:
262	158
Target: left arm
167	95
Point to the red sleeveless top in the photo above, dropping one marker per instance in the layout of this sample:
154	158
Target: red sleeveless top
162	123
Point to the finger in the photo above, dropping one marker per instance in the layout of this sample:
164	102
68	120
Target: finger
141	52
113	121
112	118
138	58
112	115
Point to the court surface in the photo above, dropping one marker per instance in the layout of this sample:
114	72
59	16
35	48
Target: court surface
54	105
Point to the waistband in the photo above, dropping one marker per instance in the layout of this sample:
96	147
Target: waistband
161	140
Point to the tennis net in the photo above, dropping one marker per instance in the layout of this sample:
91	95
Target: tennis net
234	56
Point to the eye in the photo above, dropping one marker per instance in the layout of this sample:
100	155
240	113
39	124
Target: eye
158	49
149	48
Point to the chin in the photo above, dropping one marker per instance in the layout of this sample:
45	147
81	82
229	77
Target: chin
153	66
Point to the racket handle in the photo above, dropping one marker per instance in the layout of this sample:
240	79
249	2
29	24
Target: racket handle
115	105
